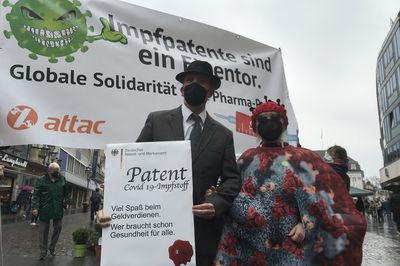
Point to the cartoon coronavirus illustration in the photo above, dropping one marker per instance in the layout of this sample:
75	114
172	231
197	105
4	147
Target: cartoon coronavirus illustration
54	28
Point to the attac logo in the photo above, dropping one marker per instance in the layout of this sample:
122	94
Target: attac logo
22	117
54	28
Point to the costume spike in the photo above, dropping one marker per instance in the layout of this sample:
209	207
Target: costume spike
7	3
8	34
76	3
87	14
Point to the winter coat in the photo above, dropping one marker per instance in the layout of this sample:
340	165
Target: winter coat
95	200
342	169
50	197
282	186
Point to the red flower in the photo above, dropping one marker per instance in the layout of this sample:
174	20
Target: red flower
265	161
254	219
180	252
228	245
317	208
281	208
298	154
248	188
293	247
291	182
258	259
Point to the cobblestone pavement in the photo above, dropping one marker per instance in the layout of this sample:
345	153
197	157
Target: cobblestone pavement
381	244
20	244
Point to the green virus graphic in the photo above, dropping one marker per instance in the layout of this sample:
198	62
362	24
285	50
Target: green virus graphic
54	28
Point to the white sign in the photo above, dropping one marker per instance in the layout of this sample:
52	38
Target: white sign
87	75
148	194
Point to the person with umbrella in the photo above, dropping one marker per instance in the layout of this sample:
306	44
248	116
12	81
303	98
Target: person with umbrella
22	201
27	206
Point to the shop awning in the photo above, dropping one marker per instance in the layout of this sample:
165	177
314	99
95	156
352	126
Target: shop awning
391	183
358	192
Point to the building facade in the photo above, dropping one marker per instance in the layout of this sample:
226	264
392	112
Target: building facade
355	173
388	98
25	164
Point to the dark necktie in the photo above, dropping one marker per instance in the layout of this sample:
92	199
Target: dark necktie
195	135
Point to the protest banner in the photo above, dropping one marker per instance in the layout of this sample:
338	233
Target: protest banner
148	194
87	74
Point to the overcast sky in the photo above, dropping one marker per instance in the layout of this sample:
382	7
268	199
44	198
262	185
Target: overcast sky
329	51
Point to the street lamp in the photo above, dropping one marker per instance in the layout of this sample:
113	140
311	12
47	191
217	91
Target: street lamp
88	172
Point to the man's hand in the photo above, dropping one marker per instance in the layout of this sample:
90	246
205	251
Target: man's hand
297	233
102	220
210	191
1	170
205	211
34	213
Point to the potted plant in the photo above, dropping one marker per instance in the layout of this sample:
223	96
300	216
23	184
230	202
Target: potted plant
93	242
80	237
97	247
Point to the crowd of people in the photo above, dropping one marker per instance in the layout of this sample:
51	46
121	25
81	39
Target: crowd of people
276	205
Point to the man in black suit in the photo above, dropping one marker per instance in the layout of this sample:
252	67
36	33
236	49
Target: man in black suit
213	157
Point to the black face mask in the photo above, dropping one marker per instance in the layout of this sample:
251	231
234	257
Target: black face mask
269	129
54	175
195	94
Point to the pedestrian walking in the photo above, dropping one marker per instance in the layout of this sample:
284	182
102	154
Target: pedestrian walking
21	202
386	209
367	208
373	209
95	202
360	205
49	199
379	209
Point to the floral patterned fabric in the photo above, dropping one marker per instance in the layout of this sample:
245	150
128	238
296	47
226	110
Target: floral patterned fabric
282	186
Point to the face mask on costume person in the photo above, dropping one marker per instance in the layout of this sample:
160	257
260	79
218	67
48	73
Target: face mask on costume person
328	158
54	175
195	94
269	129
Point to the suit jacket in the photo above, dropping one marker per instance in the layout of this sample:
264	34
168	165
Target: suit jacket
214	161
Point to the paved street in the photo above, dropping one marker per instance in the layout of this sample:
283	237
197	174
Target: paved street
20	244
381	245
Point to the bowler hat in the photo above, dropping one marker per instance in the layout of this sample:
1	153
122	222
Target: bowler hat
201	67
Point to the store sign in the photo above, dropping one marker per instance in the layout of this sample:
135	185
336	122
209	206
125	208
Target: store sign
12	160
